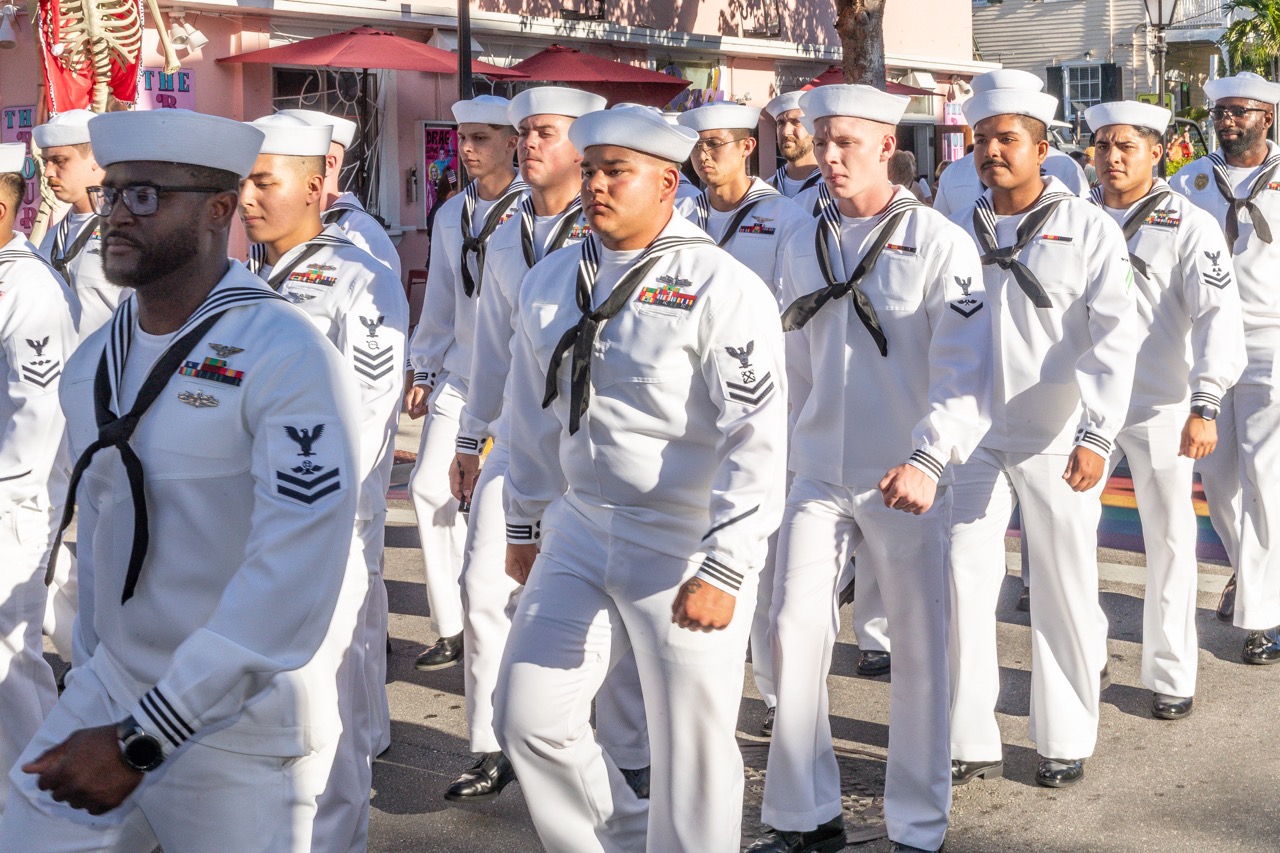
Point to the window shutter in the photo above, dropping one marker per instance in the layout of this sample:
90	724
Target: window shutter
1056	85
1112	85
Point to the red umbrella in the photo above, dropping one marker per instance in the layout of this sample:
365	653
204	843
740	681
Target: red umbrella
616	81
365	48
835	74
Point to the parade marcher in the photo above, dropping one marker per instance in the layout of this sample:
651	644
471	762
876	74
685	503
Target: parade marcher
962	183
206	595
1240	186
343	208
744	215
909	350
795	145
648	376
358	305
440	352
1059	286
1193	351
37	335
550	218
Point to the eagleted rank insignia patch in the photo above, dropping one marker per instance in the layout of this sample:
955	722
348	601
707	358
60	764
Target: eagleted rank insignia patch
312	277
966	306
1164	218
212	370
1212	271
669	295
307	481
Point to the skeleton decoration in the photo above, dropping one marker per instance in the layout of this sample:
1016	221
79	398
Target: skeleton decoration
92	52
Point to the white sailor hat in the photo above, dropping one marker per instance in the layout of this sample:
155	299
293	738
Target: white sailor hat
1006	78
1246	84
1128	112
553	100
69	128
293	137
482	109
175	136
852	99
782	104
1017	102
721	116
633	126
344	130
13	156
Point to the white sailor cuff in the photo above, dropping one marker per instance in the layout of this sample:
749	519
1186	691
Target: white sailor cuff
720	575
926	460
1206	397
524	531
1094	441
469	444
423	377
164	719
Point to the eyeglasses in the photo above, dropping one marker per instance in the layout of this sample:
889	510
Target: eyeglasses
710	146
1237	113
140	199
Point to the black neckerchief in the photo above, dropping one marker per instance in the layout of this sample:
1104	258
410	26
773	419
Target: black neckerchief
581	337
560	231
1141	209
802	310
63	255
702	210
1222	181
811	181
116	430
475	243
984	228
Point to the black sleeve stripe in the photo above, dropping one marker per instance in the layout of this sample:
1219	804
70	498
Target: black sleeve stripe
928	463
156	692
158	719
713	568
1093	441
467	443
1204	398
734	520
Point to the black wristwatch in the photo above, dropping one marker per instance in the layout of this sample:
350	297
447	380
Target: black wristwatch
139	750
1209	413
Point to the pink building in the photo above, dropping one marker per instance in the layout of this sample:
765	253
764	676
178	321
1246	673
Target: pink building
729	49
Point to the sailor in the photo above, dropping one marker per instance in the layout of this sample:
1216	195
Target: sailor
795	146
648	376
1240	186
1189	305
440	352
687	189
74	245
744	215
1059	286
359	306
205	595
550	218
37	334
961	184
884	324
342	208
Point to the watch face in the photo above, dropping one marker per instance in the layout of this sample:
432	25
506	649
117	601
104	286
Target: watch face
143	753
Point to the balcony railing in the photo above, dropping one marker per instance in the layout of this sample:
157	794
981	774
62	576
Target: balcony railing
1200	14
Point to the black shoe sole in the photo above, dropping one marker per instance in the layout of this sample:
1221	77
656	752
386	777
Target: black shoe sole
1180	715
1053	783
1259	661
476	798
429	667
993	772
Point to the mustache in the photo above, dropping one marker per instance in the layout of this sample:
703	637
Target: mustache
991	161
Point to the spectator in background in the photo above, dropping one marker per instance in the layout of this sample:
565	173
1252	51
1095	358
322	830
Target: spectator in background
937	173
902	171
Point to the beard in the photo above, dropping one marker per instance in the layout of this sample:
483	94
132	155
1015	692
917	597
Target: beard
1247	139
793	150
153	261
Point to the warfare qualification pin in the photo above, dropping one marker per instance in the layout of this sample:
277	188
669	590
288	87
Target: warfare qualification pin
199	399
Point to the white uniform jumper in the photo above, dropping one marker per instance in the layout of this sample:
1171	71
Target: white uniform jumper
959	186
440	355
1063	376
210	641
37	335
790	187
674	470
927	391
1242	471
1193	351
362	229
358	305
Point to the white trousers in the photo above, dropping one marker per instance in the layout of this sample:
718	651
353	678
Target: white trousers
870	621
822	526
373	635
1068	645
1220	477
27	688
441	528
587	600
63	600
761	642
1162	484
201	800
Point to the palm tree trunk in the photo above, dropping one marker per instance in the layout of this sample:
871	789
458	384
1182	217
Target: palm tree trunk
860	25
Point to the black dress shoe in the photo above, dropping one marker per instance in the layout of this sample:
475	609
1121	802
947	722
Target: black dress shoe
766	725
1166	707
1024	600
446	652
964	772
1227	604
1059	773
828	838
484	781
1262	647
637	780
895	847
847	594
873	664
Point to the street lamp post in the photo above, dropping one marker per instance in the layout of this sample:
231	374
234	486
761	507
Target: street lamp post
1160	14
465	90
